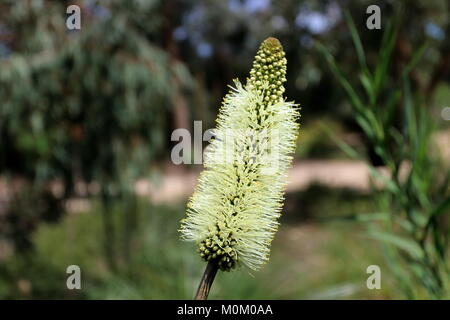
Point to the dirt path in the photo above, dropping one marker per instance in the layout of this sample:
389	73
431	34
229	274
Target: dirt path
177	184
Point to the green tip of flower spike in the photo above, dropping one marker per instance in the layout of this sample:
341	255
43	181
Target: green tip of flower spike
269	66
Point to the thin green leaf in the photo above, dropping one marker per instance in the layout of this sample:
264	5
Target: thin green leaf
354	98
356	42
359	217
443	208
366	126
368	86
387	181
373	216
345	147
402	243
387	46
414	60
389	113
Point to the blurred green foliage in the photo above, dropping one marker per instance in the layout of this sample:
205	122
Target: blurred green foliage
97	106
313	260
90	105
415	197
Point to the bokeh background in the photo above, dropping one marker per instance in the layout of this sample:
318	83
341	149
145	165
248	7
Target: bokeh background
86	118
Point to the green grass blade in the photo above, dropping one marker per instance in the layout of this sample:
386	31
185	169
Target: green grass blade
402	243
357	43
443	208
338	73
387	46
414	60
345	147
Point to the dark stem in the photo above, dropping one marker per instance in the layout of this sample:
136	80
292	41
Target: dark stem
207	280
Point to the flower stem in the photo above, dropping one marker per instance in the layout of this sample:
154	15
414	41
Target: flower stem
207	280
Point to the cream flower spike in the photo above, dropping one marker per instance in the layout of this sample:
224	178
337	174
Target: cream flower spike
233	213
